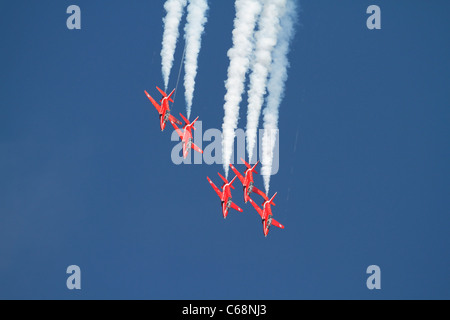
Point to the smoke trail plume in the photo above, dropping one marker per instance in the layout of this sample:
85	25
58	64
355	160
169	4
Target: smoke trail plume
174	9
266	39
196	19
276	85
247	12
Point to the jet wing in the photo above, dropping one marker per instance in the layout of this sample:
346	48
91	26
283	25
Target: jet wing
162	92
277	224
257	208
180	133
155	104
241	178
235	207
172	118
184	118
196	148
262	194
246	164
219	193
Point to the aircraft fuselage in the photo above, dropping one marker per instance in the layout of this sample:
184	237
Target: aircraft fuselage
164	113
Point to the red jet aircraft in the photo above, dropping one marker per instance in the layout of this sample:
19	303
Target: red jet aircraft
225	195
266	214
163	109
186	136
247	180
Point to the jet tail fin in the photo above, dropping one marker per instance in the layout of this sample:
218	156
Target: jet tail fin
231	182
170	95
165	95
222	177
193	123
184	118
253	168
271	199
246	164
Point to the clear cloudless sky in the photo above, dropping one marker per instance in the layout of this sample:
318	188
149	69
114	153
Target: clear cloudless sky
86	176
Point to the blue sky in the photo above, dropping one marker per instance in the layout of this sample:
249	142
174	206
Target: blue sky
86	176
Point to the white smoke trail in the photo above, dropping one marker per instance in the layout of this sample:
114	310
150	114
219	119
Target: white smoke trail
174	9
196	19
266	39
247	11
276	84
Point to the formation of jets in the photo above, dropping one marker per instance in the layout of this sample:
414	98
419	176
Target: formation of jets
163	108
164	115
247	182
225	195
266	214
185	133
